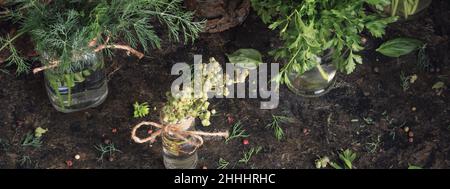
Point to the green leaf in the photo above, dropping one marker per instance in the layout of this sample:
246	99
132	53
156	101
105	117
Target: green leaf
348	157
399	47
439	85
246	58
350	64
141	110
335	165
348	163
414	167
275	25
78	77
38	132
377	28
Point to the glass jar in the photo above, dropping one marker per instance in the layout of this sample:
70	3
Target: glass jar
84	86
317	81
177	153
400	7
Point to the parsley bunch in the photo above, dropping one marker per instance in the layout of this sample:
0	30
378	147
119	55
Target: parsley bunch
309	28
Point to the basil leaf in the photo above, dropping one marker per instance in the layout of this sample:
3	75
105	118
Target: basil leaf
399	47
246	58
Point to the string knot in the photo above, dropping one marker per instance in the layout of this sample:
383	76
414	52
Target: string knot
194	138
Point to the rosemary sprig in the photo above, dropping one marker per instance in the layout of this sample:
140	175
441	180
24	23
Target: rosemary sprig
236	132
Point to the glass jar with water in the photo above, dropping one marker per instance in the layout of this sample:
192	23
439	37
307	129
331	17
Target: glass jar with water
179	153
406	9
82	86
317	81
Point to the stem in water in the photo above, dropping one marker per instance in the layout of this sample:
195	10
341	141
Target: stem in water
415	7
322	72
394	7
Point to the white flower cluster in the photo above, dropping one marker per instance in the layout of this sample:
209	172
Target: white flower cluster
192	101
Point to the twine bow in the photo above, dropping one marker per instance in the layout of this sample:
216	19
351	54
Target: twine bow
191	137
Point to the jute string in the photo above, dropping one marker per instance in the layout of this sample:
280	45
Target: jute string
194	138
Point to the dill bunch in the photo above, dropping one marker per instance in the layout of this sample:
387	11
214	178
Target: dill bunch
64	29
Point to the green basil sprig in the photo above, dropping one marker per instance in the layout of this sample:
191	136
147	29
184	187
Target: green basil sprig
400	47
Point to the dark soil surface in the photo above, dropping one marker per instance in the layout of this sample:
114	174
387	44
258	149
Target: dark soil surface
367	112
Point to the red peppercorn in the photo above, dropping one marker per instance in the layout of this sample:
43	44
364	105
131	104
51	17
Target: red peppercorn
69	163
245	142
230	119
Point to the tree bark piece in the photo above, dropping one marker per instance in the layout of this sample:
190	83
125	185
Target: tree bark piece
221	15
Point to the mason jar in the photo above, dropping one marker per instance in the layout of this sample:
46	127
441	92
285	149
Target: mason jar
82	86
317	81
178	153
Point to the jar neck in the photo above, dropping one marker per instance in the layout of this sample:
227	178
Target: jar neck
79	62
184	125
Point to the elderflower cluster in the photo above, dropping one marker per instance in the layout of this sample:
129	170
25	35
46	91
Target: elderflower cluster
192	101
